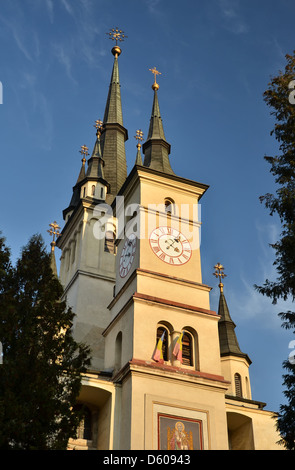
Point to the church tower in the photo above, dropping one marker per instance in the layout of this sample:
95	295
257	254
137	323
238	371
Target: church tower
160	299
167	371
87	269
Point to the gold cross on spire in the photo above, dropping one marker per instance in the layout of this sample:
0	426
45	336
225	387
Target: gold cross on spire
156	72
219	273
139	137
84	152
98	126
54	231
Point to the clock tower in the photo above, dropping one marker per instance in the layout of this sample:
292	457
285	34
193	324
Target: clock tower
159	292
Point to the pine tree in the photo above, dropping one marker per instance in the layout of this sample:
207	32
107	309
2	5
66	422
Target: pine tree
40	377
280	98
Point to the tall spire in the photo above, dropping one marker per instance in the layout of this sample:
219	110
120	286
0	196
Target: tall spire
156	149
54	232
77	188
227	337
113	134
95	163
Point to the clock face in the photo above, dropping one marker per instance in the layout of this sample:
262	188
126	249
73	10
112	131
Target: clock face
127	255
170	246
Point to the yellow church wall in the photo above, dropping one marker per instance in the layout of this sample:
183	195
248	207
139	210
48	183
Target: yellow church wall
206	345
154	394
122	325
231	365
173	288
140	320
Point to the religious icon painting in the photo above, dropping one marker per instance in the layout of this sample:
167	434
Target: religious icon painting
179	433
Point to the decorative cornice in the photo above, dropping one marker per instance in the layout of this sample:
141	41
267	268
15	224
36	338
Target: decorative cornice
171	303
173	372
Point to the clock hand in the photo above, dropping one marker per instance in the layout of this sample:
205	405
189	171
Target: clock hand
171	244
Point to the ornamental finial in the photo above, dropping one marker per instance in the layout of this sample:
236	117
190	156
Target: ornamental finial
98	125
84	152
139	137
54	231
219	273
155	85
116	34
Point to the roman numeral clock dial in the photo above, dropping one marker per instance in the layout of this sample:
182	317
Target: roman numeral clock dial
170	246
127	255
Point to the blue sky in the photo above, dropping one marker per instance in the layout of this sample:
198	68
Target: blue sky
216	59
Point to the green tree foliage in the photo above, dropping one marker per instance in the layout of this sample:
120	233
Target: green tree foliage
279	97
40	377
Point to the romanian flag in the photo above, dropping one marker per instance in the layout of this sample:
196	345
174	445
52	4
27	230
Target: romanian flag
177	351
158	354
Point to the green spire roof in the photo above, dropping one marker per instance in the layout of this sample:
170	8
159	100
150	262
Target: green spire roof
113	109
114	135
95	163
156	149
229	345
227	337
76	189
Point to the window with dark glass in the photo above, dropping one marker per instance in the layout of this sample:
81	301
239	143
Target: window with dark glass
187	353
160	331
238	385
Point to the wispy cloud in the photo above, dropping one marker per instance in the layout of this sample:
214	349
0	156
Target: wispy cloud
49	6
67	7
83	38
17	30
232	18
39	123
249	303
152	5
64	56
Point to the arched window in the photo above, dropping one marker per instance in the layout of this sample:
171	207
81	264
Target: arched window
109	242
238	385
93	190
160	331
118	351
84	191
187	349
169	206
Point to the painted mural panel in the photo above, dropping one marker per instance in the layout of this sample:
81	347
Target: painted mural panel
179	433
